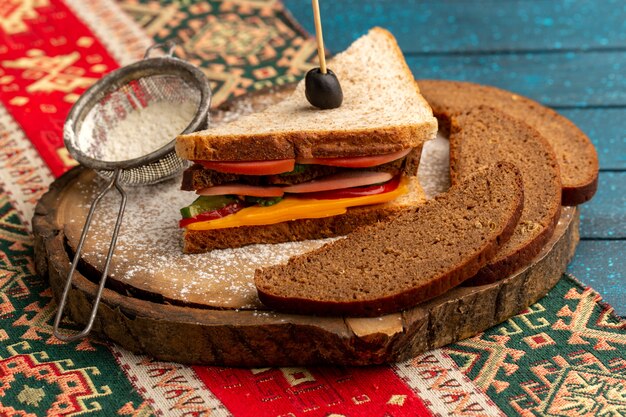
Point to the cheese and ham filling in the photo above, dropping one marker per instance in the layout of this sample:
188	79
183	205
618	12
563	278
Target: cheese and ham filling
294	208
228	205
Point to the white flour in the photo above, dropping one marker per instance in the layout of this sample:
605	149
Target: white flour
140	133
149	249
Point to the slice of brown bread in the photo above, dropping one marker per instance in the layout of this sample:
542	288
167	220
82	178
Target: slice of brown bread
378	88
486	135
198	241
395	265
576	154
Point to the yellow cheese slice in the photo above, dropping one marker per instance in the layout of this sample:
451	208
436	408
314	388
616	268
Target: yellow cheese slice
292	208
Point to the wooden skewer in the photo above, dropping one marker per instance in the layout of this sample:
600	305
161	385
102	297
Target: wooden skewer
319	36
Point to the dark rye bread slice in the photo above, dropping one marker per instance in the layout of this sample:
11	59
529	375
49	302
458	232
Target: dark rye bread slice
418	255
198	241
197	177
576	154
486	135
378	89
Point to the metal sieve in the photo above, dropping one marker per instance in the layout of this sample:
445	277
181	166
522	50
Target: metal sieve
116	102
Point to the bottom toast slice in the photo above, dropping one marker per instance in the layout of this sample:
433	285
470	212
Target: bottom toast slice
418	255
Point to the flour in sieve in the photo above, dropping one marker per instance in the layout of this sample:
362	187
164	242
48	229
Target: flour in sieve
143	131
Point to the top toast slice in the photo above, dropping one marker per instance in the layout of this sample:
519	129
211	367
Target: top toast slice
382	112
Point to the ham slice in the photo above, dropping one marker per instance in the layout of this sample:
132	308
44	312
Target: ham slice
340	180
242	189
348	179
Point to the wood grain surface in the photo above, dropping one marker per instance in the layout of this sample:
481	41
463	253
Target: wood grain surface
605	127
552	78
455	26
604	215
255	338
597	264
153	311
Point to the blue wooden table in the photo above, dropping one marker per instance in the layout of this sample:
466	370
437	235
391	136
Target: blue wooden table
569	55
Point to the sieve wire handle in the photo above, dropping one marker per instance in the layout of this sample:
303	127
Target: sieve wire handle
114	183
169	45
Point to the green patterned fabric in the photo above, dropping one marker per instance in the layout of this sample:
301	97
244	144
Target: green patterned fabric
39	375
240	45
565	355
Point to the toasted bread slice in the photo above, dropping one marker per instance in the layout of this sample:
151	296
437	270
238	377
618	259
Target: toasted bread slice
486	135
197	241
576	154
382	112
418	255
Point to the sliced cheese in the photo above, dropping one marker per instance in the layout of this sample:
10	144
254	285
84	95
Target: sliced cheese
292	208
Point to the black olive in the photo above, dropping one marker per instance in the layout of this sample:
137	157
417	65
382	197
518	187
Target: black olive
323	90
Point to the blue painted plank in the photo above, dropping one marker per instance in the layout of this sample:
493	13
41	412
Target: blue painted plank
555	79
461	25
607	130
602	266
605	215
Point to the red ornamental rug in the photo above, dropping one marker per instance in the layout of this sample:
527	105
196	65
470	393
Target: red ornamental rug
563	356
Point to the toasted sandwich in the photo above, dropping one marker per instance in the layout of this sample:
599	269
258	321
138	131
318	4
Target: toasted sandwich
294	172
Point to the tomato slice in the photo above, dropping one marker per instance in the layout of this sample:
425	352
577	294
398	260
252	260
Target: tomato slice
279	166
354	191
357	161
282	166
214	214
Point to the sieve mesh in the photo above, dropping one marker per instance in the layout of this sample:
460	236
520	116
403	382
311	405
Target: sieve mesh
164	168
135	120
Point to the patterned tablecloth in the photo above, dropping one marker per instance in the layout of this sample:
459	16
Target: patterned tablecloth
564	356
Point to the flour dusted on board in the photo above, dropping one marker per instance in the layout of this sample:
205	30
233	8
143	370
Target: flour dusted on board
143	131
149	253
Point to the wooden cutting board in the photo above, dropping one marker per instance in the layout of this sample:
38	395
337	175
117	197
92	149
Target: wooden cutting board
203	309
